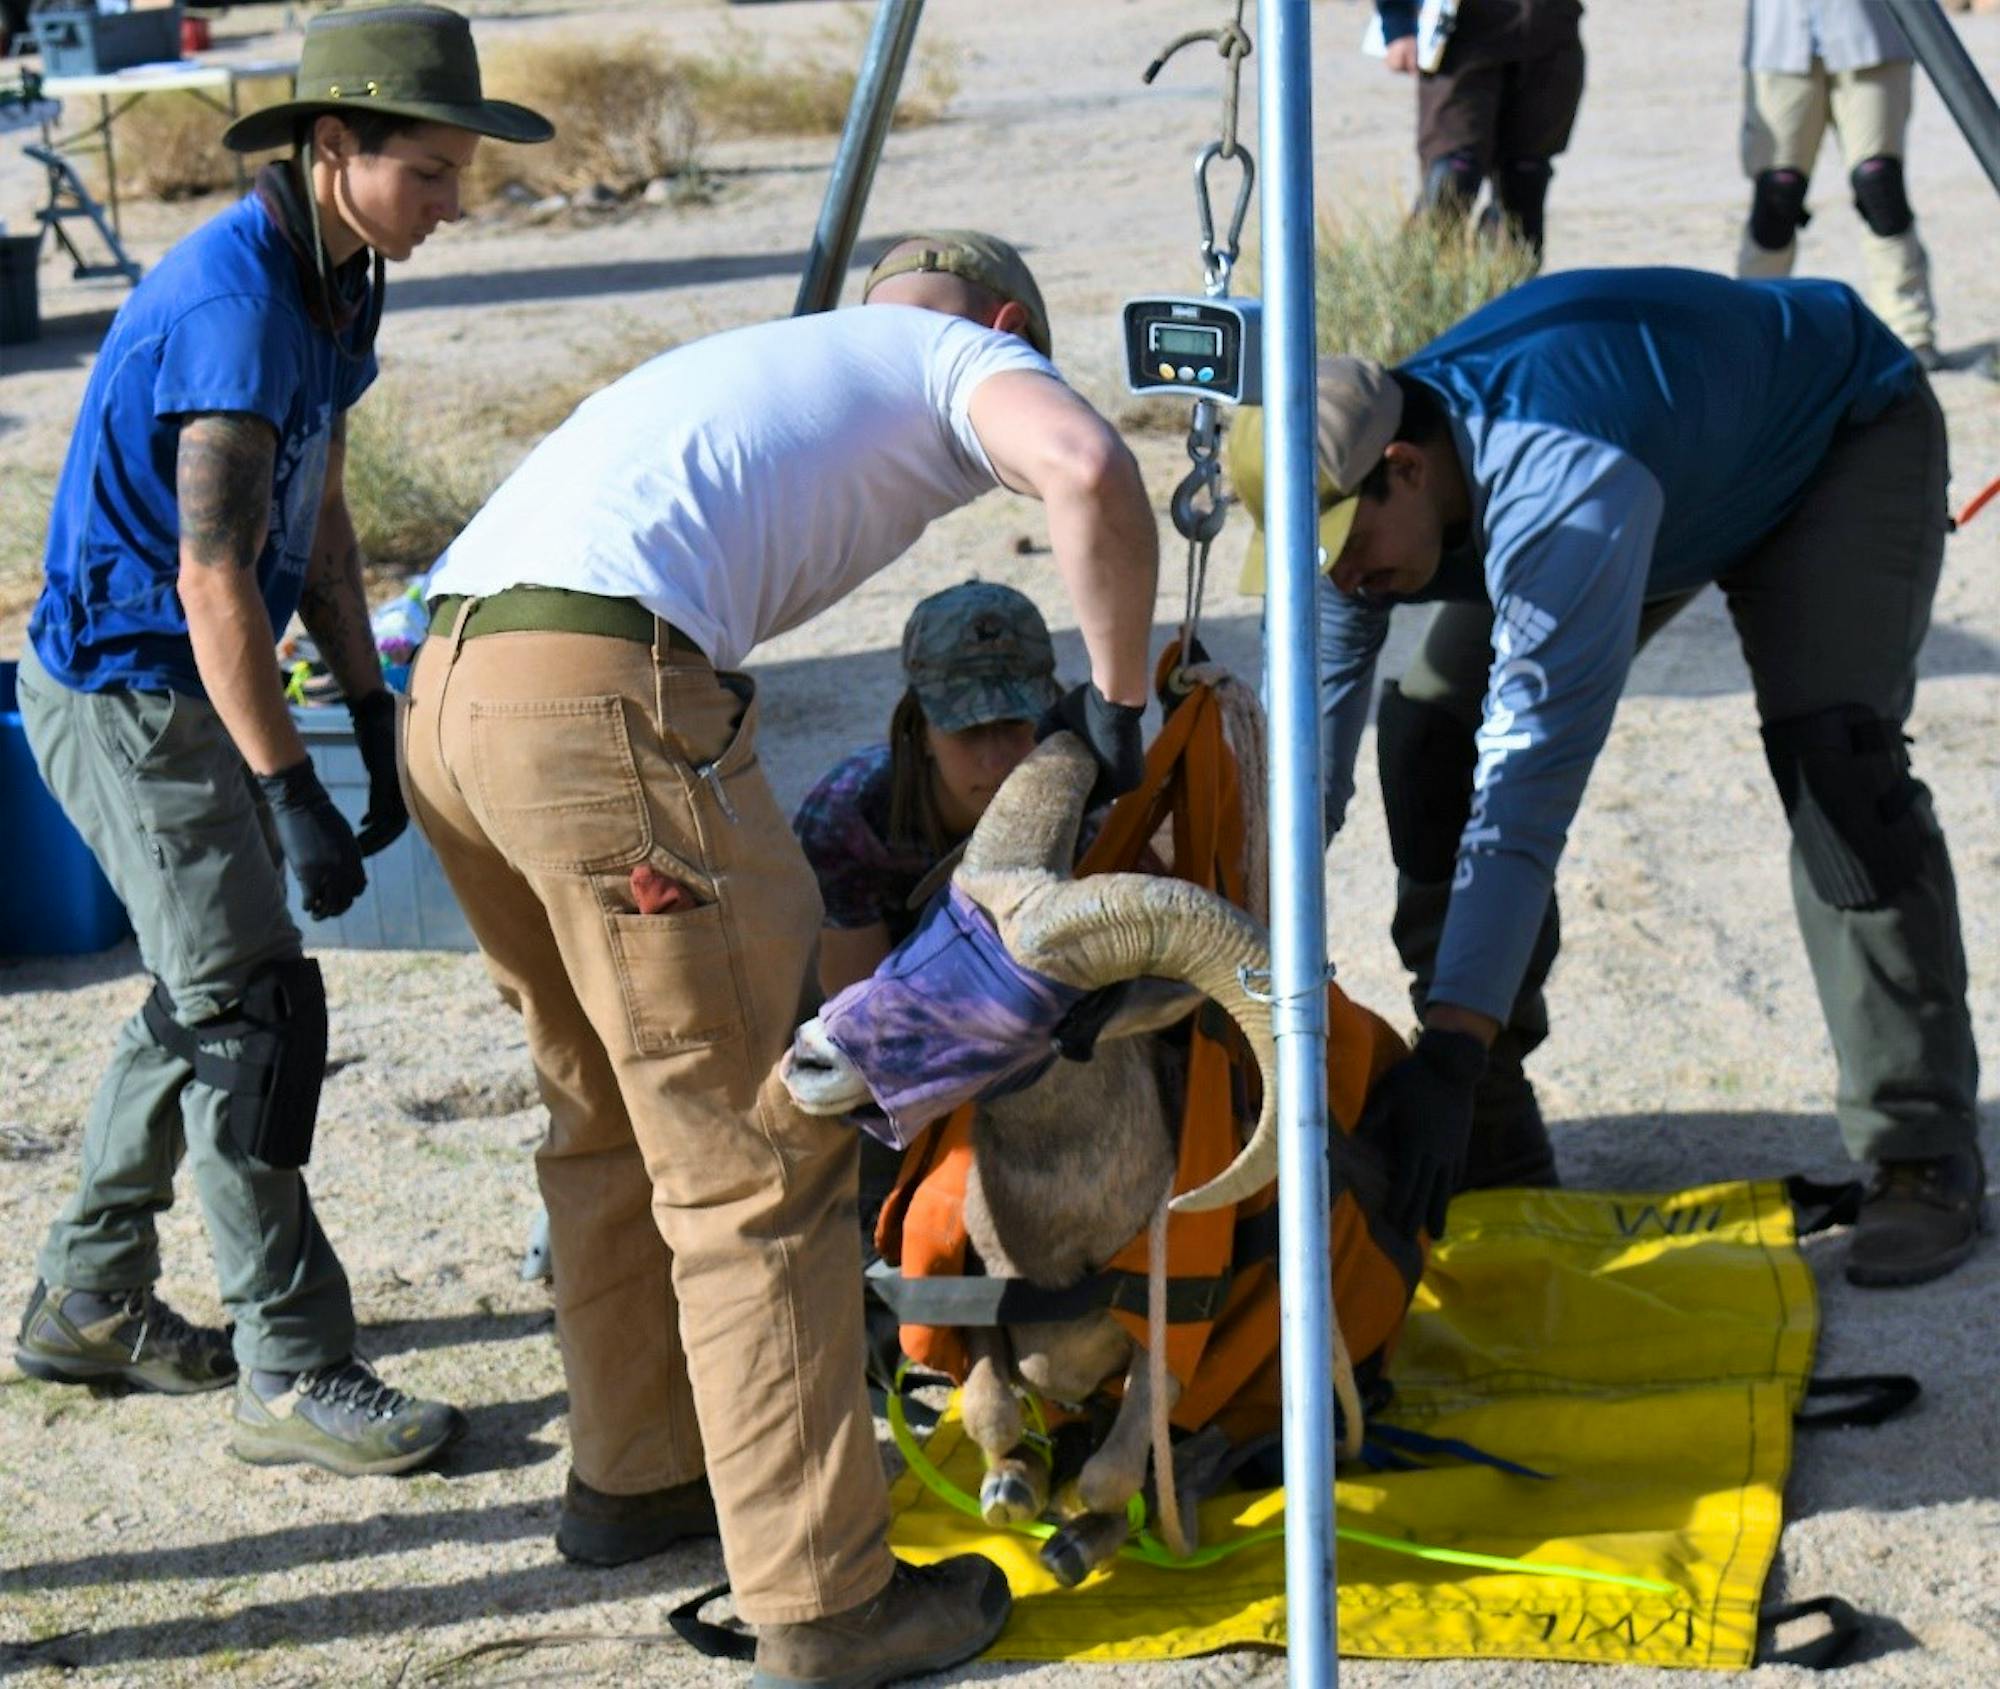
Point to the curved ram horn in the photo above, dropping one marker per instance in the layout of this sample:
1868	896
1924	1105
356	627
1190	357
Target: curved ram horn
1033	819
1110	927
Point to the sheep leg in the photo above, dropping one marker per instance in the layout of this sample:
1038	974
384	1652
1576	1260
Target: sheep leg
1113	1475
1016	1485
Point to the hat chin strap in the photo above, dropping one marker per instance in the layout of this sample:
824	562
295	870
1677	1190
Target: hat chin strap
322	267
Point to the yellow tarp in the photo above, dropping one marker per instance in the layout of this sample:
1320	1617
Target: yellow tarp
1645	1350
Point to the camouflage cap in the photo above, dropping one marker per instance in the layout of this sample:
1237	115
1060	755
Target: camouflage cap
986	260
979	652
1360	409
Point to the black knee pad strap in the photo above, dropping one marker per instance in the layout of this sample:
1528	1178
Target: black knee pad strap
1855	809
1778	208
1879	195
1425	756
1451	183
273	1084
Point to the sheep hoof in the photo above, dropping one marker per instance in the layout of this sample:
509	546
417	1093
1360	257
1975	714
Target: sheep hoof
1007	1498
1016	1488
1082	1545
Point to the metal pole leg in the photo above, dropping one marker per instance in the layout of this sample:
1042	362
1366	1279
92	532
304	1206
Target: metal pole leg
1963	89
868	115
1298	888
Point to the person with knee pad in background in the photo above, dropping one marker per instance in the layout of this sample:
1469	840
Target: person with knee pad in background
202	502
1557	475
1498	85
1809	64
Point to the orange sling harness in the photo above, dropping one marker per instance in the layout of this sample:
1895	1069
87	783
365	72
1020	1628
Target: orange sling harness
1222	1342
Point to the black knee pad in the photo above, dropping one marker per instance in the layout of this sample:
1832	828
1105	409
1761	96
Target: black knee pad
1879	195
273	1085
1521	189
1425	756
1858	815
1451	184
1778	208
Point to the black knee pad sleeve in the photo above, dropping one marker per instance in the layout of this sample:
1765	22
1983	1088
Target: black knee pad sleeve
273	1083
1522	189
1879	195
1856	811
1425	756
1778	208
1451	183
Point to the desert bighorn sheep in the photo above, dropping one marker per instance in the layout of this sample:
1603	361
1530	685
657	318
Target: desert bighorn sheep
1068	1171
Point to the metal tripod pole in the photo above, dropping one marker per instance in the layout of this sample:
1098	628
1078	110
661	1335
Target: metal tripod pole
1298	891
867	126
1950	66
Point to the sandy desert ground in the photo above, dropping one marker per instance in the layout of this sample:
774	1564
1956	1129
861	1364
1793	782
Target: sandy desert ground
134	1549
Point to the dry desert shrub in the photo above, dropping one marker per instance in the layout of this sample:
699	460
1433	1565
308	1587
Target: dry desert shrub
624	112
170	145
1387	287
410	488
740	91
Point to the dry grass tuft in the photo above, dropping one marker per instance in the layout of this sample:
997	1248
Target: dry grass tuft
410	488
625	113
741	92
170	145
1387	287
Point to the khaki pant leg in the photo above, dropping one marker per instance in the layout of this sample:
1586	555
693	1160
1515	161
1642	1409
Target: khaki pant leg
632	1425
581	759
1871	114
1784	121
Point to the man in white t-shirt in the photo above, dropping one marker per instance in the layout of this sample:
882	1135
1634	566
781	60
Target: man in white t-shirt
582	758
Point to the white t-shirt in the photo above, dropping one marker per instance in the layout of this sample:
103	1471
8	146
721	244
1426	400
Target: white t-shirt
742	483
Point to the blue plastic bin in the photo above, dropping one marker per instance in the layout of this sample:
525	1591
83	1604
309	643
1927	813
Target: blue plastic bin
54	899
408	904
80	40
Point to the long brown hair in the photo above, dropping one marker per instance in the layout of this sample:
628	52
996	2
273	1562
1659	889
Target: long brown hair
913	810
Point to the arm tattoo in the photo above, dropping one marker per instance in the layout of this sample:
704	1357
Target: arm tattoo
222	479
333	604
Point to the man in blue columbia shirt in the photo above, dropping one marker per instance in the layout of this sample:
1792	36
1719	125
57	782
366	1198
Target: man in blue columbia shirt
1566	469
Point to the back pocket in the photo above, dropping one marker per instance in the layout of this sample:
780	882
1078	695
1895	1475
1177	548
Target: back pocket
555	784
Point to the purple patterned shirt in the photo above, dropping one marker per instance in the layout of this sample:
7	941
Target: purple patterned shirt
844	826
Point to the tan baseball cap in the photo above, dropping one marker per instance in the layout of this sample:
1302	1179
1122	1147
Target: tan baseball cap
1360	408
985	260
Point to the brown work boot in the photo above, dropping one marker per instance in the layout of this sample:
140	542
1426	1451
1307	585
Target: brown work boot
924	1619
608	1530
1919	1220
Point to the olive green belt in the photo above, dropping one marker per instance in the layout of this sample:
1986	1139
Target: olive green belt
551	609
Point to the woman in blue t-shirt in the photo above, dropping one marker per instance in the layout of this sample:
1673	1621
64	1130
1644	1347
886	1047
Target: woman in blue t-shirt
980	671
200	505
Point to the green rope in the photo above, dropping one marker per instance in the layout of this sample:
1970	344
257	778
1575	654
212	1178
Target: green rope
1149	1550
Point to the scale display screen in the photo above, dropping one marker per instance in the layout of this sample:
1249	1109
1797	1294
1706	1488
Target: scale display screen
1185	340
1205	348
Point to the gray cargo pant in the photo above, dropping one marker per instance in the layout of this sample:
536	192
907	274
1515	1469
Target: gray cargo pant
155	786
1832	608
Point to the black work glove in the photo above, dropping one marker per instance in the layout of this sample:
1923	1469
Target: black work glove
318	844
1111	731
375	738
1420	1114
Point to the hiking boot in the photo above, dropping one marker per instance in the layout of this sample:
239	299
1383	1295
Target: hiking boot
608	1530
1509	1146
924	1619
1919	1219
341	1417
125	1337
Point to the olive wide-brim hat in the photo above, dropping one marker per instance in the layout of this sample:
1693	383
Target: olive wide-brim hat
406	60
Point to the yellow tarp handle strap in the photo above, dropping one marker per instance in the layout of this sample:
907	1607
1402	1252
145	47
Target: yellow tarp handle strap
1149	1549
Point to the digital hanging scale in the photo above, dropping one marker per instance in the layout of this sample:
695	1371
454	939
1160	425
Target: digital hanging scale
1200	347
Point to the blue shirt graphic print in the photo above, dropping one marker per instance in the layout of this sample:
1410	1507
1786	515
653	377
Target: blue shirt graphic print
220	325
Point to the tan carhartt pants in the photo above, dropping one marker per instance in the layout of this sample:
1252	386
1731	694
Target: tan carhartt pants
1785	118
703	1233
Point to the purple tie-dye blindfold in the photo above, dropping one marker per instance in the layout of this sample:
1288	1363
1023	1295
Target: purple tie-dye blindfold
948	1018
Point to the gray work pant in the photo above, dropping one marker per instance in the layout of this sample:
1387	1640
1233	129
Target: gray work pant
157	789
1832	608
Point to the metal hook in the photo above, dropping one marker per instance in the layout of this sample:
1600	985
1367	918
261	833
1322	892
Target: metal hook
1198	525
